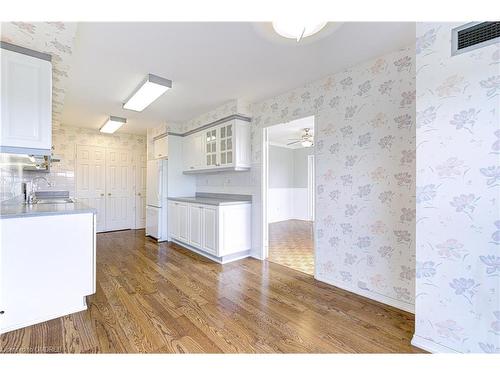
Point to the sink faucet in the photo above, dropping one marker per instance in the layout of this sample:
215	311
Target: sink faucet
31	197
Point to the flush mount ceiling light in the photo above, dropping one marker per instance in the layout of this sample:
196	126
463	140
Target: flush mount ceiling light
297	30
112	124
148	91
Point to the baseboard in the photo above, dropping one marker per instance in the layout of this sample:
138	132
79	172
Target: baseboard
408	307
222	260
431	346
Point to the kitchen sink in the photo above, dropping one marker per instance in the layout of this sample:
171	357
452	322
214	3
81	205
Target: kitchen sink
53	200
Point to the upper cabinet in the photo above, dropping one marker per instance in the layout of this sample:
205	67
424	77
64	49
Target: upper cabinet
26	101
224	146
160	147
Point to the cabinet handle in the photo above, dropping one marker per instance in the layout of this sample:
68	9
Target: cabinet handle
109	194
102	194
139	194
2	312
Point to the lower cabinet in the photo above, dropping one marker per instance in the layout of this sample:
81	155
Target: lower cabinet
216	230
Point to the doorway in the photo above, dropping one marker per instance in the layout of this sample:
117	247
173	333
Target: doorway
289	194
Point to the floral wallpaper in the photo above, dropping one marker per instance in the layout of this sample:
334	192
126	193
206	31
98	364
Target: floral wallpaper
54	38
62	174
365	174
457	194
232	107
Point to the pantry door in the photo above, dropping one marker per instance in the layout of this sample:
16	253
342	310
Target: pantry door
119	190
91	181
139	175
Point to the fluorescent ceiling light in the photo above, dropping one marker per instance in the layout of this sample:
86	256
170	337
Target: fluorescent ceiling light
297	30
148	91
112	124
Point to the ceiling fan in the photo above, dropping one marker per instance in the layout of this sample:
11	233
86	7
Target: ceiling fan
306	139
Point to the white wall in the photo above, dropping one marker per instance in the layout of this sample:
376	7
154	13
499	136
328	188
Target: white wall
288	183
458	190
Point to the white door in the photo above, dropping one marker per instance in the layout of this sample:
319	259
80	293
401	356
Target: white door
91	182
195	225
173	220
26	97
209	237
310	186
118	191
140	175
183	218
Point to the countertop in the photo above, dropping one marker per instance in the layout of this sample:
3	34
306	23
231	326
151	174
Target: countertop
16	208
215	199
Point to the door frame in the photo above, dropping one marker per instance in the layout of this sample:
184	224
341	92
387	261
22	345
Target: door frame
265	191
311	194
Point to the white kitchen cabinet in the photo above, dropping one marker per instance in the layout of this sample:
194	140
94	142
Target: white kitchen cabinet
219	232
222	147
26	103
182	211
160	147
195	225
48	273
209	222
173	220
193	151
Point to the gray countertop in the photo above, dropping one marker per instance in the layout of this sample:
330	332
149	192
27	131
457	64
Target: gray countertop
15	209
215	199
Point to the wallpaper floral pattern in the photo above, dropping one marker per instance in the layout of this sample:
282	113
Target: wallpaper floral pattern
457	194
365	166
365	174
54	38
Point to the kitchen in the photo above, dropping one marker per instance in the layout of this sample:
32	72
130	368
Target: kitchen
136	190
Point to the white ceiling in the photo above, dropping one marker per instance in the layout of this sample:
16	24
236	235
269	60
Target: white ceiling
281	134
209	64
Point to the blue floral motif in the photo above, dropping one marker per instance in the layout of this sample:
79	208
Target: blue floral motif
425	269
464	287
492	262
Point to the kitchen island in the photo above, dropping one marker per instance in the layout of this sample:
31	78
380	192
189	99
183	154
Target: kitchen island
47	261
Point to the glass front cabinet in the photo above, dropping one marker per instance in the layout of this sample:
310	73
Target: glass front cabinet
226	147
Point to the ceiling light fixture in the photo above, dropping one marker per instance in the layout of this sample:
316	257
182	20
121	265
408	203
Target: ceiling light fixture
148	91
306	143
297	30
112	124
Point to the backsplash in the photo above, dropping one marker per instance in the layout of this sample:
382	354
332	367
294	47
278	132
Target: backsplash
458	192
62	174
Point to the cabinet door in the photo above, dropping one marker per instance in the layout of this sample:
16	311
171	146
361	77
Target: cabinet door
195	225
226	153
161	148
209	236
26	97
173	220
183	217
211	148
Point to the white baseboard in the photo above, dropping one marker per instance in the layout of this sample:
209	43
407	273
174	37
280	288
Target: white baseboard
431	346
408	307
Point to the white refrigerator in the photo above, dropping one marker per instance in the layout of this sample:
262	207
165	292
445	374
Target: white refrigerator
156	199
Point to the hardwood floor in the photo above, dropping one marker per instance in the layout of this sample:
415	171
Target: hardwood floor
291	244
164	299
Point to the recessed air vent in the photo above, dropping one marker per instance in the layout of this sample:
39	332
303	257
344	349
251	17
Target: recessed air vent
474	35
